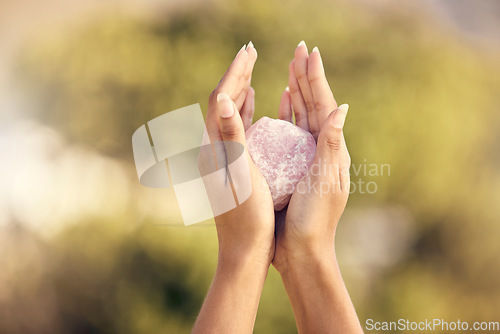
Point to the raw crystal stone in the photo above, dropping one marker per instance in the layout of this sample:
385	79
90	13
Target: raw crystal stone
283	153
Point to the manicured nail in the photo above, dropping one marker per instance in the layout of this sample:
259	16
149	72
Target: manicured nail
250	45
339	120
287	88
242	49
344	107
304	44
225	105
315	49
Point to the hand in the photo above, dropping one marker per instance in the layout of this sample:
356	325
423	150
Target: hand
248	229
307	226
246	233
305	231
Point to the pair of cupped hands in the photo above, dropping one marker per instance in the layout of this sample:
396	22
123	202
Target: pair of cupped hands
253	232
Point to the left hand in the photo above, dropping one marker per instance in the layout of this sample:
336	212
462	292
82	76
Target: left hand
247	231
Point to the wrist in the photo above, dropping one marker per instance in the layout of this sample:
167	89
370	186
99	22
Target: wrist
314	286
306	259
237	257
248	269
317	273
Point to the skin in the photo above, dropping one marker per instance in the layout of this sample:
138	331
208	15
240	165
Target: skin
246	233
305	230
299	240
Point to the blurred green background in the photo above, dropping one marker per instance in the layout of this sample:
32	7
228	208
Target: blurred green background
85	249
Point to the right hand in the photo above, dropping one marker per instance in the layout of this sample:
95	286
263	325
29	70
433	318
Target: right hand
305	230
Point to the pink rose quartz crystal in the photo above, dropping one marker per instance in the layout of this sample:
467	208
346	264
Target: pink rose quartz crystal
283	153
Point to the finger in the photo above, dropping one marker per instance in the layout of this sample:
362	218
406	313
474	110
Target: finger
301	59
285	110
244	84
324	102
231	81
223	187
248	108
230	123
227	85
329	150
298	103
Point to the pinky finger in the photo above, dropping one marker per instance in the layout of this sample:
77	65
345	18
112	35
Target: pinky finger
285	110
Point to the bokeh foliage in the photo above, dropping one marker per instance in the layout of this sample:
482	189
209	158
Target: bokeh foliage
422	99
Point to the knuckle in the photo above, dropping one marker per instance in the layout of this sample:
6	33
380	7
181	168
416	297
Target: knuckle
310	105
294	89
229	133
301	76
333	144
320	105
313	78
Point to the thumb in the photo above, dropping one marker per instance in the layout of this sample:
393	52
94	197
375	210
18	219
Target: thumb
237	157
230	123
330	139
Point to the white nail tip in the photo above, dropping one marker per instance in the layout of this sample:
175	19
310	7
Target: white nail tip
343	107
315	49
302	43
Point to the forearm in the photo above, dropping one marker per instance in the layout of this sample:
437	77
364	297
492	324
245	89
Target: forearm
233	299
319	298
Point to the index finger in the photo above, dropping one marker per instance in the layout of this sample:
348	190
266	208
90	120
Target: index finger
322	94
234	75
228	85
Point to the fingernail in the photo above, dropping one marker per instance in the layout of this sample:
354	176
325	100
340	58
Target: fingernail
344	107
250	45
287	88
339	119
315	49
302	43
243	48
225	105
